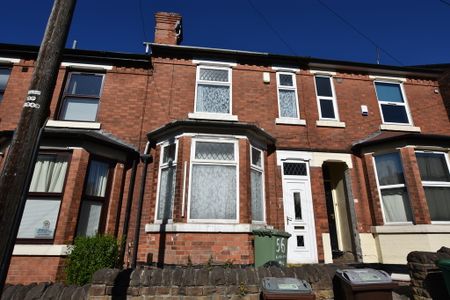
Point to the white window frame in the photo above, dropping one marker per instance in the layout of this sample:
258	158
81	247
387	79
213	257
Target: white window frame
161	167
445	184
291	88
207	82
332	98
404	104
259	169
391	186
214	162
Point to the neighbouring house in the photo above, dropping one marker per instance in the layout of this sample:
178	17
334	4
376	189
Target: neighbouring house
352	159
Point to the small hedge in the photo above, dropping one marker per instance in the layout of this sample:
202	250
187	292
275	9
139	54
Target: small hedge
88	255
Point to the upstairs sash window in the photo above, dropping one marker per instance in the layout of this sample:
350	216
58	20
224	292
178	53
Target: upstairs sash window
392	103
213	90
326	98
287	95
81	97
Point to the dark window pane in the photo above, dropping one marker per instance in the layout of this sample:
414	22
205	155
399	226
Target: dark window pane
394	114
85	84
294	169
433	167
300	241
256	157
286	80
389	92
324	87
438	199
4	76
326	107
169	153
389	169
297	206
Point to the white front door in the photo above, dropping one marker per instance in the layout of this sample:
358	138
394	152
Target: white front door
299	217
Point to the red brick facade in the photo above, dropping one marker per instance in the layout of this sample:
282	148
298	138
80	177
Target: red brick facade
139	98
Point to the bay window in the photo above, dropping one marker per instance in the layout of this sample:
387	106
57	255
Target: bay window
94	198
435	175
391	183
257	184
214	181
44	198
167	178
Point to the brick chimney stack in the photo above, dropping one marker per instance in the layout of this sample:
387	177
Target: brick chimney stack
168	28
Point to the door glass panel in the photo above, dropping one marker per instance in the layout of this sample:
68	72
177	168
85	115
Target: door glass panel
297	206
298	169
300	241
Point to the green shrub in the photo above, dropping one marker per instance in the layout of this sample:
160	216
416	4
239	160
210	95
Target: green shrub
88	255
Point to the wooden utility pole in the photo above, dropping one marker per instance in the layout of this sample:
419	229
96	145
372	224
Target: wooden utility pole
16	175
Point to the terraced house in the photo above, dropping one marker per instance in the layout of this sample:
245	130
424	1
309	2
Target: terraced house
194	148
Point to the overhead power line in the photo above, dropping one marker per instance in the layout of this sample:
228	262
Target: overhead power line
360	32
271	27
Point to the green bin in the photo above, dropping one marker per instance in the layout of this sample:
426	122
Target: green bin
270	245
444	265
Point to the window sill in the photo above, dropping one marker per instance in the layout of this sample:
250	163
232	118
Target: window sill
212	116
196	227
73	124
410	228
288	121
40	250
328	123
393	127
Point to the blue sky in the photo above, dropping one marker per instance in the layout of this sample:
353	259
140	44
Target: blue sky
412	32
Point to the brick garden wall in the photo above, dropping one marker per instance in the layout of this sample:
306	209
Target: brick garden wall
198	248
29	269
